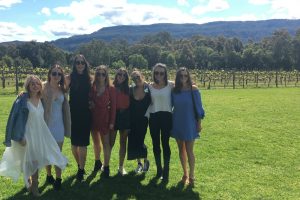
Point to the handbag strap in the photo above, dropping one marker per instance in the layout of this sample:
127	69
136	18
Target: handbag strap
194	105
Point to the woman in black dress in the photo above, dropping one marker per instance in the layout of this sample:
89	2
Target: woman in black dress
80	85
140	100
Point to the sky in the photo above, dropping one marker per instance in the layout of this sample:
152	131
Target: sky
47	20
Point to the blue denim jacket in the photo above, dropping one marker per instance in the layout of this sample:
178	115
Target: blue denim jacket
15	128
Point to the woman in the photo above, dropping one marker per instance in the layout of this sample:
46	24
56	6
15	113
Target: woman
80	85
56	115
160	122
122	123
103	103
140	100
187	115
30	144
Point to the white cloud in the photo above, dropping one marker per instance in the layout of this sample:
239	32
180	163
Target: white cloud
210	6
8	3
12	31
259	2
183	3
46	11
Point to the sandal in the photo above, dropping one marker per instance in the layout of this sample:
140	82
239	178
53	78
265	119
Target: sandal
192	181
185	179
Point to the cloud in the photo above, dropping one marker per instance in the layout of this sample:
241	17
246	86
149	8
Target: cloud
46	11
259	2
183	3
12	31
210	6
8	3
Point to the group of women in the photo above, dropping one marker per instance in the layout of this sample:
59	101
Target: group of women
42	116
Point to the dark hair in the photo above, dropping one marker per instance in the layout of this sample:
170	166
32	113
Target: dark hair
161	65
178	83
61	83
105	69
123	87
86	72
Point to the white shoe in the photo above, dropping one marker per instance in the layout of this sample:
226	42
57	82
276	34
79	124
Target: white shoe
122	172
139	168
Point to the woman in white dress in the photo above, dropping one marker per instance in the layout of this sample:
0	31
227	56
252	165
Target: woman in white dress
34	148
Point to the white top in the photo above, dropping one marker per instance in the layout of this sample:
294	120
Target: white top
161	99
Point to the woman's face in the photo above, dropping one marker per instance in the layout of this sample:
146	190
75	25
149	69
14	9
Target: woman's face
159	74
183	75
80	65
56	75
121	76
34	86
101	75
137	78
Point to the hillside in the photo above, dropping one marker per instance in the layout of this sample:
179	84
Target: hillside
244	30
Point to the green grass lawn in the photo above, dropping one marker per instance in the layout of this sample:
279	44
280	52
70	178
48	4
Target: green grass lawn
249	149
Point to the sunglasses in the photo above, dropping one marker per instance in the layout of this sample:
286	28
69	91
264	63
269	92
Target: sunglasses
80	62
183	75
121	75
56	74
159	73
100	74
135	78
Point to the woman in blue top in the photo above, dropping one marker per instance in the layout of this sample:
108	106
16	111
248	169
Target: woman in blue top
185	126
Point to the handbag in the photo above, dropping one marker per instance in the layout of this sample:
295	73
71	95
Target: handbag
195	111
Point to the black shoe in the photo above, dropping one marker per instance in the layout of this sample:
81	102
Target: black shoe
106	172
57	184
50	180
79	175
97	166
83	169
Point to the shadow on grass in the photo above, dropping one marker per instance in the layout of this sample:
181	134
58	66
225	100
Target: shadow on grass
131	186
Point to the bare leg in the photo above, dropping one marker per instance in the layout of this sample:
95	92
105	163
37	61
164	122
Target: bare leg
105	139
57	169
82	156
97	145
183	157
122	151
112	138
75	153
191	157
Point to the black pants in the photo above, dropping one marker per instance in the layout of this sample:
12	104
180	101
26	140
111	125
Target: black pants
160	124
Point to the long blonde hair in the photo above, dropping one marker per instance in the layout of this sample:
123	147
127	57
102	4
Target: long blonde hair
29	79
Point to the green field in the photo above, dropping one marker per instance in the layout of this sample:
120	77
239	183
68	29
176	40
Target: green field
249	149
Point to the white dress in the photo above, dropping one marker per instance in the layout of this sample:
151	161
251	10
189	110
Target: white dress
40	150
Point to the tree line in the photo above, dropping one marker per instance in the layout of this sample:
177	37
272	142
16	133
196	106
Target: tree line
280	51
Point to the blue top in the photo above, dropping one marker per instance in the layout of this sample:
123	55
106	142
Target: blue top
184	122
56	122
15	128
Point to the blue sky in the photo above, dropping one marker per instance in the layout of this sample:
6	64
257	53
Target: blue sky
46	20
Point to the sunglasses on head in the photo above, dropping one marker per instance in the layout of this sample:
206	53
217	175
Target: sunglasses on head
56	74
159	73
80	62
121	74
100	74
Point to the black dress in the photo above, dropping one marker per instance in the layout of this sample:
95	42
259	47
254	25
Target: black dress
80	112
138	125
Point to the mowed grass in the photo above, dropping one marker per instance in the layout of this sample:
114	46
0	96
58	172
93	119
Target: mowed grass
249	149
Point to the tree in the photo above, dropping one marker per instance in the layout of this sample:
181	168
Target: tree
137	61
118	64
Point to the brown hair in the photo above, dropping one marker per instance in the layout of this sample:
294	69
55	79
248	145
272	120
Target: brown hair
161	65
178	83
61	83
